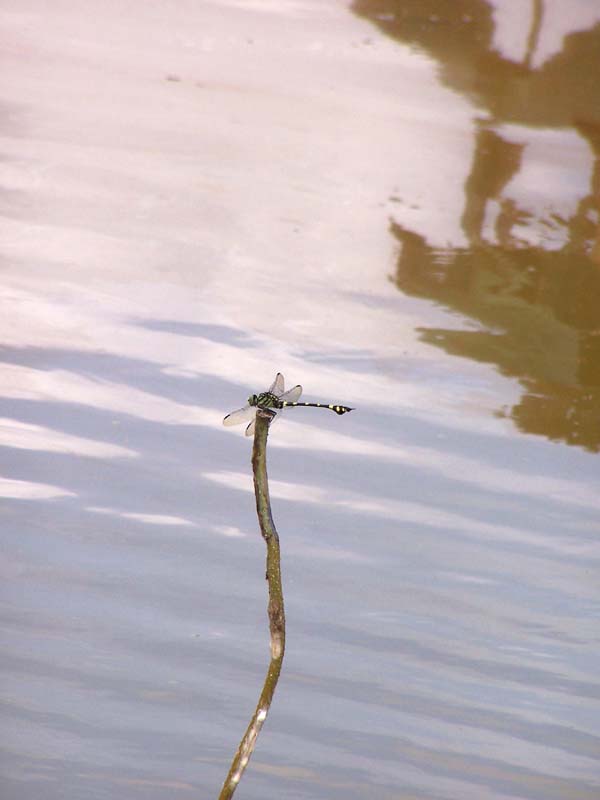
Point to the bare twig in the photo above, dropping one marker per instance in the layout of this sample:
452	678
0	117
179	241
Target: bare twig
276	609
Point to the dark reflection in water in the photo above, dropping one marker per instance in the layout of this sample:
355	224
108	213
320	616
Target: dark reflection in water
532	284
542	314
459	36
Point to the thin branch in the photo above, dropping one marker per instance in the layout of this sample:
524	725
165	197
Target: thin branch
275	608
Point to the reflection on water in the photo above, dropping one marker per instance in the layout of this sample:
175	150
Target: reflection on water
542	324
529	275
171	245
521	64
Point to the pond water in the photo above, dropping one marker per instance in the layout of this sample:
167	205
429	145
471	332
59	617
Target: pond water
395	204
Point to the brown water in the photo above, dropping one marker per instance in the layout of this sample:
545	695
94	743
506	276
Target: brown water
527	270
395	204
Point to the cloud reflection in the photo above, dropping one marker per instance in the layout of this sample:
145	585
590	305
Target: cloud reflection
24	436
403	511
56	385
149	519
27	490
230	531
450	465
63	386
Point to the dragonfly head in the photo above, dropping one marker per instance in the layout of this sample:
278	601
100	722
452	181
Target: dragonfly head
253	400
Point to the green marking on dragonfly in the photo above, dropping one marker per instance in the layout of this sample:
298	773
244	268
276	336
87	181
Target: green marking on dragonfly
276	399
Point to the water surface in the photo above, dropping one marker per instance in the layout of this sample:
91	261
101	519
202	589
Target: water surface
396	205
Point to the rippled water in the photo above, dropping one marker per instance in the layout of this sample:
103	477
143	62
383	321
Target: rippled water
395	204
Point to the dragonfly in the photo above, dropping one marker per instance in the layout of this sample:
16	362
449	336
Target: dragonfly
275	399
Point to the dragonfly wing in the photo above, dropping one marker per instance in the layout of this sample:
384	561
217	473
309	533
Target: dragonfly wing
278	385
241	415
292	395
250	428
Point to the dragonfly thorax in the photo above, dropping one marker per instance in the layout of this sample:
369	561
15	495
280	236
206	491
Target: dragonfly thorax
264	400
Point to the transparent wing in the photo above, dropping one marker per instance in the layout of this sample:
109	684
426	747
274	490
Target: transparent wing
250	428
278	385
292	395
241	415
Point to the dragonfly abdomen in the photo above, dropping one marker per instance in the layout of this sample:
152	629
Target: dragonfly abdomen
338	409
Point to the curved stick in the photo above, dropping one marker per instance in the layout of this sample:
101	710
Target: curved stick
276	609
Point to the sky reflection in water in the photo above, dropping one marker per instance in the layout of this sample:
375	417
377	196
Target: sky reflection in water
397	208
